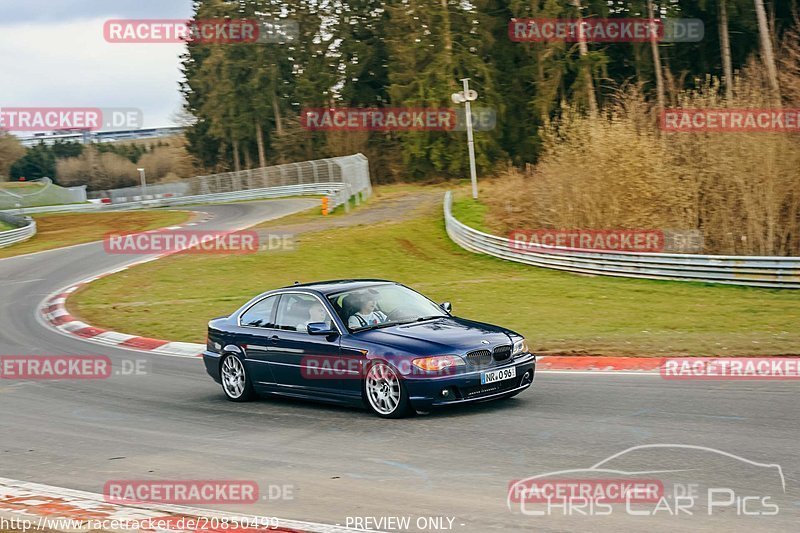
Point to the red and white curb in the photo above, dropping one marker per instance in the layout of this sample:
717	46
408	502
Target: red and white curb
599	364
55	313
33	506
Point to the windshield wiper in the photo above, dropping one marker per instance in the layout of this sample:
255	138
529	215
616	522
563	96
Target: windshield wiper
424	318
377	326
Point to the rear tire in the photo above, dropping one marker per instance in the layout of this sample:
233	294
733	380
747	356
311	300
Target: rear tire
235	382
385	393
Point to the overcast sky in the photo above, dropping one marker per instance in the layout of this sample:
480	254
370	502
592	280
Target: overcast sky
53	54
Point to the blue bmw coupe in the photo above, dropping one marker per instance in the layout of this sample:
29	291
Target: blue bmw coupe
364	342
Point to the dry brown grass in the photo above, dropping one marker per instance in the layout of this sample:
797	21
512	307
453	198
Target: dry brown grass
168	163
619	171
99	171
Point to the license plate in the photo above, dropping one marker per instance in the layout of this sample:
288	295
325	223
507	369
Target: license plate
498	375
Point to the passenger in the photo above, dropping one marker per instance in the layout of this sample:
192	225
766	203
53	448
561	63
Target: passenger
316	313
367	315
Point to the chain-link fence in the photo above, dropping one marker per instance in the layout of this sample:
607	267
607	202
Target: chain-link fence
37	193
339	178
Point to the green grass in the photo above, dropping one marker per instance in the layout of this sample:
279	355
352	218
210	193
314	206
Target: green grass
470	212
4	226
173	298
66	229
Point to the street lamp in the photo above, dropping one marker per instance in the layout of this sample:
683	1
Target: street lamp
465	97
144	182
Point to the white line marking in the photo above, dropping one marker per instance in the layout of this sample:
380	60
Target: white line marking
113	337
189	349
16	282
74	325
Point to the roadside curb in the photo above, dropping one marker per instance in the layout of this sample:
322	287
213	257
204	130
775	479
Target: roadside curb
599	363
55	313
59	509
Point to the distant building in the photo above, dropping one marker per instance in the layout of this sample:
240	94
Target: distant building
89	137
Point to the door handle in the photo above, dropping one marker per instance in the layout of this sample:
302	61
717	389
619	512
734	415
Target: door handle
274	338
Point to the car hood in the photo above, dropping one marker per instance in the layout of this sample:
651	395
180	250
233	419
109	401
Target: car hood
439	336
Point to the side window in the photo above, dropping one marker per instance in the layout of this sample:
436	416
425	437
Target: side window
260	315
296	311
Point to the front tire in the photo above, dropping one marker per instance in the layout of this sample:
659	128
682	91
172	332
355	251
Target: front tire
385	393
235	382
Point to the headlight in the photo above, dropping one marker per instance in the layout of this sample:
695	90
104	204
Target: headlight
520	347
437	363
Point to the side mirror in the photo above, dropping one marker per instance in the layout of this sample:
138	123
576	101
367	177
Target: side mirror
446	307
320	328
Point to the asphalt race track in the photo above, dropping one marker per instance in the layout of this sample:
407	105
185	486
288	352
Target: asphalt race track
174	423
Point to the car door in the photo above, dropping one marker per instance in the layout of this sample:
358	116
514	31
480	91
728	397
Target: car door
256	330
298	359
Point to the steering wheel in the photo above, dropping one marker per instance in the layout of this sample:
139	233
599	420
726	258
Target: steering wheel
398	313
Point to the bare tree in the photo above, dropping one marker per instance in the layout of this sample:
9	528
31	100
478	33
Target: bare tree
583	49
10	151
656	60
766	50
725	49
262	158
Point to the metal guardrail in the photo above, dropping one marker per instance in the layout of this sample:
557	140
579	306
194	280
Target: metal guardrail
321	189
26	228
338	178
754	271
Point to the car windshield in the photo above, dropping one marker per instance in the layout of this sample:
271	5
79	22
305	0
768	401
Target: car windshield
383	305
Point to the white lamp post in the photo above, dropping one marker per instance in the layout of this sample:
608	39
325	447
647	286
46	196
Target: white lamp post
144	182
465	97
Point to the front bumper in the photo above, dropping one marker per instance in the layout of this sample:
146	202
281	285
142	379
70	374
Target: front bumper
426	392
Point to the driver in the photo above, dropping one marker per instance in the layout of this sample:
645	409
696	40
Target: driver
366	315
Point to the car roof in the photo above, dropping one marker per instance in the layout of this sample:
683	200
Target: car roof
338	285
